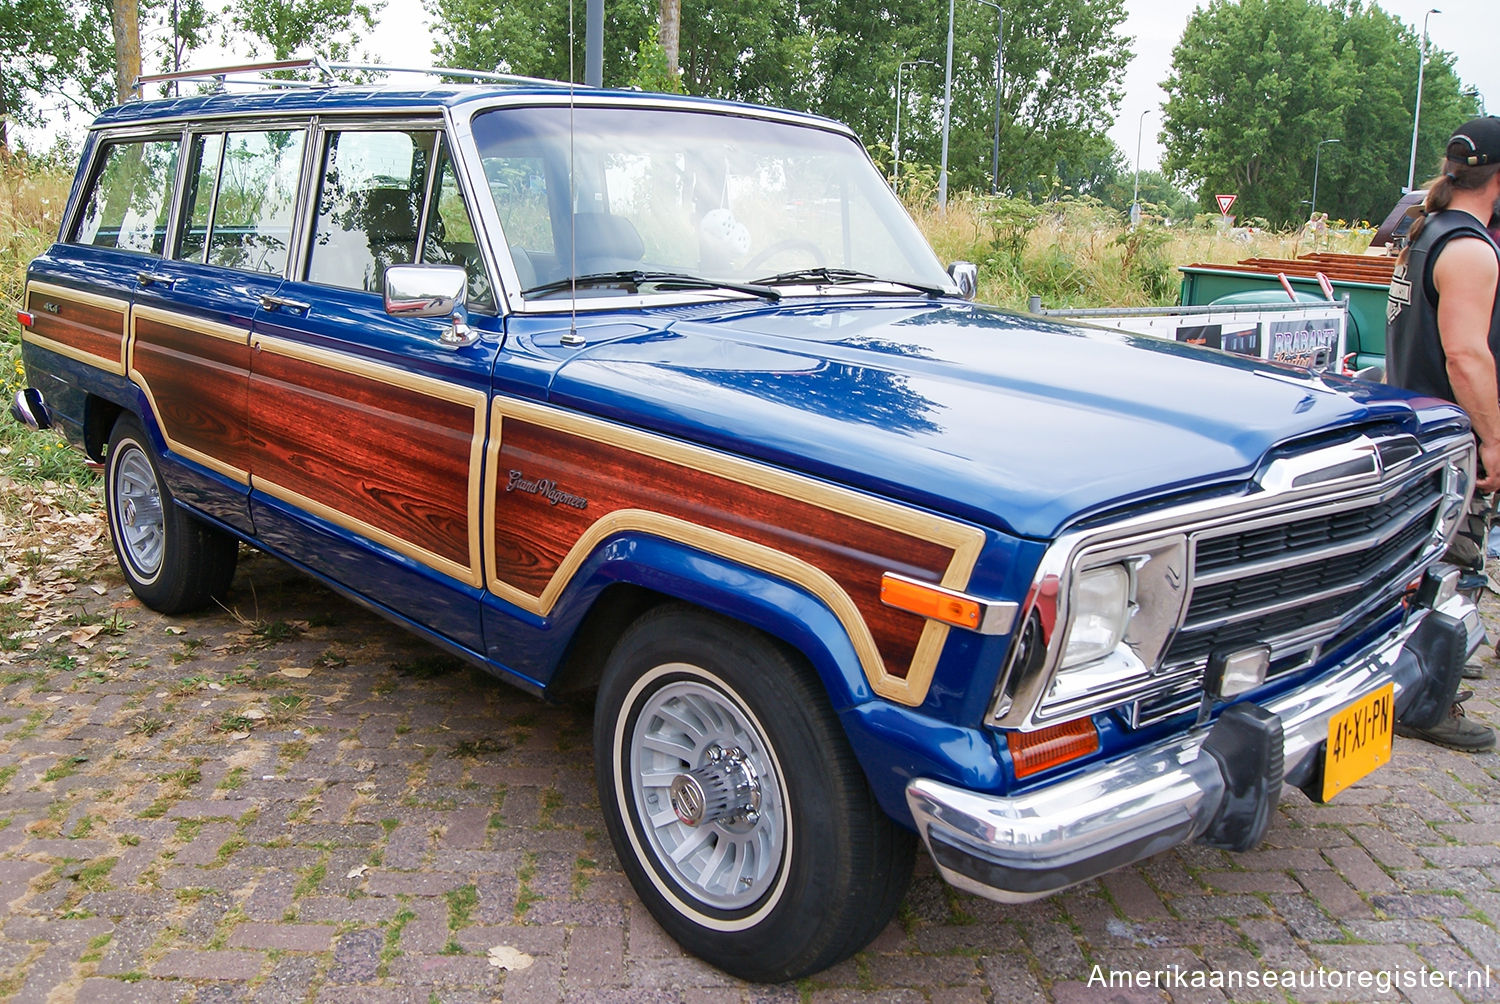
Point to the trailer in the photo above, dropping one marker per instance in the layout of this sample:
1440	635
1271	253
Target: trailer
1363	280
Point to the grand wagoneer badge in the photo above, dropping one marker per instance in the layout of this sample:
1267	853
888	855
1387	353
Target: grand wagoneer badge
548	490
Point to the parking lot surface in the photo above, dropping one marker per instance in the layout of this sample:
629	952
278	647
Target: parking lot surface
290	799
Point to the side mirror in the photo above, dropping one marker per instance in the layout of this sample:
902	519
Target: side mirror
431	291
966	275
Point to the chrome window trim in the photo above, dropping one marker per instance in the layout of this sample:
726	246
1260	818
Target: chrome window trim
212	120
1016	700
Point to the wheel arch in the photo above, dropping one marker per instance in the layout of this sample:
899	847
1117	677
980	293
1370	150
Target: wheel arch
99	417
631	574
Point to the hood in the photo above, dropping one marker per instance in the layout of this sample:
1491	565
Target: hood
1011	421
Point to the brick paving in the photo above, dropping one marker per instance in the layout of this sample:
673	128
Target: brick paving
292	800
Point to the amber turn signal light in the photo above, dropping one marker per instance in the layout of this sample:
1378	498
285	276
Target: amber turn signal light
930	601
1033	752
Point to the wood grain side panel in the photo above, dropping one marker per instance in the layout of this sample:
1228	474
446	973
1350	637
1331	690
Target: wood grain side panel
199	386
392	458
93	332
533	536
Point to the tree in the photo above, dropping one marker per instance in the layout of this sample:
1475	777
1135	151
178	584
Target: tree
124	17
55	51
669	36
1256	85
326	28
1064	65
530	37
1064	61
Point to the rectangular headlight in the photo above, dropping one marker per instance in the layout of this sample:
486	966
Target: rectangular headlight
1097	613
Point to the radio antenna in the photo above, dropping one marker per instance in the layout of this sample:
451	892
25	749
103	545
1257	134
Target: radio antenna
572	338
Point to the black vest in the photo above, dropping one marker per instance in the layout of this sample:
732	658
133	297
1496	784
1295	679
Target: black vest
1414	356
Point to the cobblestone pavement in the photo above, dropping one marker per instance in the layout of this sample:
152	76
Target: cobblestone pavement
293	800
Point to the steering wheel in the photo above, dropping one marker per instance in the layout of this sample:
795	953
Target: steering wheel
787	244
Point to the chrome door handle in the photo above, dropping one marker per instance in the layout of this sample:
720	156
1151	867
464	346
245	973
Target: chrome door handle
155	279
269	302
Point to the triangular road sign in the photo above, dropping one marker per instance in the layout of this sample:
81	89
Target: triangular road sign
1225	201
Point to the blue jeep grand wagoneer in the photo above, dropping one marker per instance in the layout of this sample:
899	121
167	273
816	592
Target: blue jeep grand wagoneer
668	399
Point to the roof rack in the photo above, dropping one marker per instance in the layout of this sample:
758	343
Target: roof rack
449	71
326	71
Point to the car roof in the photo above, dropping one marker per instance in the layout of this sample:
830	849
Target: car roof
269	101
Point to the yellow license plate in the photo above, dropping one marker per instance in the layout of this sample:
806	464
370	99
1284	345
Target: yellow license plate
1359	740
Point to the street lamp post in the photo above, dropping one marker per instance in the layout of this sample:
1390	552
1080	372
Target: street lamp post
1317	156
947	113
1416	115
896	146
999	67
1135	196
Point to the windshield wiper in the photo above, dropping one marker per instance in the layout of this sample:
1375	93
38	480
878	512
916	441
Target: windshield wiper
825	276
662	280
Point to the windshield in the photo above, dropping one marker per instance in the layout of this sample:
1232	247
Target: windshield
691	193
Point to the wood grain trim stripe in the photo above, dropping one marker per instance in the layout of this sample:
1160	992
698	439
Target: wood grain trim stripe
97	300
964	541
201	326
473	573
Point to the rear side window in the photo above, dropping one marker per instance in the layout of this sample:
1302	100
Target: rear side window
204	153
127	201
257	194
369	206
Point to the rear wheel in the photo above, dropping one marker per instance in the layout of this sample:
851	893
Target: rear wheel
734	801
173	562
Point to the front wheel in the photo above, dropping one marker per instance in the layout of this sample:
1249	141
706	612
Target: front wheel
734	801
173	562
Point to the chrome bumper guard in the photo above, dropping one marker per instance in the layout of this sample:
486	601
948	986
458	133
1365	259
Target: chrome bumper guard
1015	849
28	408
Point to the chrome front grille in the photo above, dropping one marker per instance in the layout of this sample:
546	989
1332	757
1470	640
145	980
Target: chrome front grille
1279	583
1314	557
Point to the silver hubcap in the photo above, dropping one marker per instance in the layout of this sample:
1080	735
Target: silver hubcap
139	520
707	794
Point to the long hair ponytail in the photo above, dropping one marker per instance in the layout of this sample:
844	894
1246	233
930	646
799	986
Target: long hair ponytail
1457	176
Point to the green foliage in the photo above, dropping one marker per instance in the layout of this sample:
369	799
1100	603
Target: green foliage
530	37
652	73
1257	84
327	28
54	50
1064	62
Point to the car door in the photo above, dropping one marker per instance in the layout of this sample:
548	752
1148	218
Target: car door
368	432
193	310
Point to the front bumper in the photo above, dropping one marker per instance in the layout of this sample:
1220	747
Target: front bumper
1020	848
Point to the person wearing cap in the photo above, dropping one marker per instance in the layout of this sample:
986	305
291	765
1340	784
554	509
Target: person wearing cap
1443	340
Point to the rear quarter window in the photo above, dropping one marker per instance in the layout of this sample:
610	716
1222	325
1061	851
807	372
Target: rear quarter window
128	197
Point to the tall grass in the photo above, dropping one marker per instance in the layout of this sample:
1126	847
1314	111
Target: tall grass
1079	253
32	199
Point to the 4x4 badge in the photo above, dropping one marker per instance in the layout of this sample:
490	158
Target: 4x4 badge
547	489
